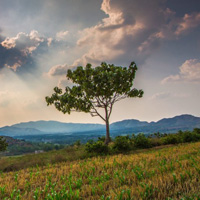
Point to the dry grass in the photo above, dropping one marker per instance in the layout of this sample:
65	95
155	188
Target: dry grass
168	173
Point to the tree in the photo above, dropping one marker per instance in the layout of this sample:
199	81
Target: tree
95	89
3	144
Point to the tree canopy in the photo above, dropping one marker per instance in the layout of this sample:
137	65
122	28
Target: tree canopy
94	89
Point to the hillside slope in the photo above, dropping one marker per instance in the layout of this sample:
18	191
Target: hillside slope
169	173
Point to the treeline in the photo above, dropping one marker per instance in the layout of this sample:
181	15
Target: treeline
16	149
141	141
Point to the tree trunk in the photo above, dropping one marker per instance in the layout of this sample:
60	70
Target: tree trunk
107	140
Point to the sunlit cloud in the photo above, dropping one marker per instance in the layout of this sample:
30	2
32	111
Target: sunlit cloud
188	22
189	71
62	35
58	70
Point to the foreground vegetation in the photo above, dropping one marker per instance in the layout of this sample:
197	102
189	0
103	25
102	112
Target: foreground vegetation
168	173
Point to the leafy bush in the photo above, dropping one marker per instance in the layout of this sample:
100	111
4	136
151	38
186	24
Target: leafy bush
96	147
171	139
77	143
102	138
197	131
188	136
122	143
141	141
155	142
3	144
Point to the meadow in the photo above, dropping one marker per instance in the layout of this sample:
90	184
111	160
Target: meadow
169	173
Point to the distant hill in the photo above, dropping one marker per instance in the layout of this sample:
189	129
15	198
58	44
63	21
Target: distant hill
48	127
182	122
11	141
58	127
15	131
129	123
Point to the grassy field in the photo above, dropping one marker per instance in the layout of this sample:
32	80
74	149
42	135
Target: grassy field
167	173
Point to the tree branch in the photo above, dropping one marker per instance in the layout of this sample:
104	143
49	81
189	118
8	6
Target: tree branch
96	113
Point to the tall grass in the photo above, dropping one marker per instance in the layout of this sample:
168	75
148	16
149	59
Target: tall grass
168	173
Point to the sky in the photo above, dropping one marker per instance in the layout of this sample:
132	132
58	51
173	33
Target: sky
41	39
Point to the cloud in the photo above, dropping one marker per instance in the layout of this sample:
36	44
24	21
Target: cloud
18	51
26	43
58	70
62	35
161	95
133	29
187	23
167	95
189	71
22	52
128	26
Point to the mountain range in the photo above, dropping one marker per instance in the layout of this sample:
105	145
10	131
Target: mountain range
182	122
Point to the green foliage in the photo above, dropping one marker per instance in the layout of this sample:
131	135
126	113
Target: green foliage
102	138
188	136
171	139
3	144
77	143
122	143
197	131
96	147
141	141
96	88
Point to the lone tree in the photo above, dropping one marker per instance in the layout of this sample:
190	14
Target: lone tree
95	89
3	144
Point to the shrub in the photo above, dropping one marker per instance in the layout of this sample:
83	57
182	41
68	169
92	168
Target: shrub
77	143
96	147
122	143
196	130
155	142
171	139
141	141
188	136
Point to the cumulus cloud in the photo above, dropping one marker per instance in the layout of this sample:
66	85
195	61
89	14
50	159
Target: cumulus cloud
124	33
58	70
17	51
21	53
133	30
26	43
189	71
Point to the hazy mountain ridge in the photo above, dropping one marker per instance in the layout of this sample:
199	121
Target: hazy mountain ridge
182	122
58	127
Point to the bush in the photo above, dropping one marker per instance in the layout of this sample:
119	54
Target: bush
188	136
141	141
102	138
197	131
77	143
96	147
171	139
122	143
155	142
